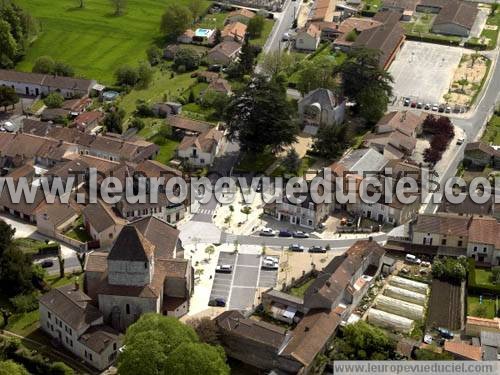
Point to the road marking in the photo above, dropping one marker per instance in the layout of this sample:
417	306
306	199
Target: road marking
243	287
232	282
258	273
247	266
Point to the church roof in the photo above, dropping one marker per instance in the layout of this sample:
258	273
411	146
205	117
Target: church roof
131	246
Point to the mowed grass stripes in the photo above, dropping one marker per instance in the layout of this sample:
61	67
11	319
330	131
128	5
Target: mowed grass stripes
92	40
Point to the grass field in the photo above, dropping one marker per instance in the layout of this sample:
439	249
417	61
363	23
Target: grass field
492	133
92	40
488	302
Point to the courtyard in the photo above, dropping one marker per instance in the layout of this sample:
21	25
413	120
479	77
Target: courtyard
424	71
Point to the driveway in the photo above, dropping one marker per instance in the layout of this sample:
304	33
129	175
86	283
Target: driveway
424	71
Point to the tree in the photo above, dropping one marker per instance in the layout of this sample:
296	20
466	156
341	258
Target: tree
188	58
364	80
247	57
54	100
319	73
330	141
260	116
474	57
362	341
291	161
255	26
495	270
119	6
63	69
217	36
137	123
210	250
176	19
114	120
206	329
196	8
8	97
10	367
144	75
247	210
126	76
9	45
17	273
215	100
155	343
462	83
5	315
155	55
44	65
481	311
199	271
278	62
351	35
60	368
61	261
197	358
81	259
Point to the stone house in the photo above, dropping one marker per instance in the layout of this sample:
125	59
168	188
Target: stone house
484	240
34	84
478	155
443	231
224	53
200	150
55	218
102	223
308	38
67	315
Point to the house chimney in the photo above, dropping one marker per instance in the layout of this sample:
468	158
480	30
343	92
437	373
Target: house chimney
306	329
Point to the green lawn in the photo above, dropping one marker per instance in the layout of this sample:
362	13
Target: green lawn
492	35
78	231
213	21
92	40
372	5
492	133
300	290
260	41
473	304
167	151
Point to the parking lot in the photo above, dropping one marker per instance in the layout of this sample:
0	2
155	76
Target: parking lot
238	288
424	71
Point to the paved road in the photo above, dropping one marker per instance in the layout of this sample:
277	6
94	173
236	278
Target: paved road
284	21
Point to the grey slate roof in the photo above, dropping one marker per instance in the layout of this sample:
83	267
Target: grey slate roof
324	97
130	245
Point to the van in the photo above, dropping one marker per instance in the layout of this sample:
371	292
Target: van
410	258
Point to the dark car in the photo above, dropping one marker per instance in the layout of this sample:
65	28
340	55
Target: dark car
406	102
215	68
441	108
296	247
47	263
413	104
220	302
317	249
444	333
285	233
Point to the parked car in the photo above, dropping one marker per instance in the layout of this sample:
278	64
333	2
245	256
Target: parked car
269	264
272	259
420	105
413	104
296	247
224	268
285	233
460	141
300	234
215	68
447	109
317	249
410	258
220	302
47	263
427	106
444	333
428	339
268	232
406	102
435	107
441	108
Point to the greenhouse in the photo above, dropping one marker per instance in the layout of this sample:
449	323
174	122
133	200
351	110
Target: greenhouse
408	284
405	295
401	308
390	321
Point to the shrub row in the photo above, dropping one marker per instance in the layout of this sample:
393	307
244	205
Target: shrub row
432	39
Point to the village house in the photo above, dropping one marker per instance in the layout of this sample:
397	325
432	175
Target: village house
186	37
200	150
308	38
395	134
102	223
240	15
52	219
349	29
34	84
68	316
322	10
328	301
86	121
219	86
321	107
234	31
478	155
224	53
484	240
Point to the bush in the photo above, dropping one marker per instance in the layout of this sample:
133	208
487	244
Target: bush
23	303
126	76
188	58
44	65
62	69
450	269
143	109
137	123
54	100
51	248
155	55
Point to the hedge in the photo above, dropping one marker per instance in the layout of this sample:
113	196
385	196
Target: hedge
49	249
475	45
432	39
476	288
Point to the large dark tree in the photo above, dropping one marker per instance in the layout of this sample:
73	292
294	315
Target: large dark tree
319	73
8	97
259	116
330	141
176	19
157	344
367	83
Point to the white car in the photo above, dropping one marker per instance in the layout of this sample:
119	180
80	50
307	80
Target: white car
428	339
269	264
224	268
271	259
267	232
